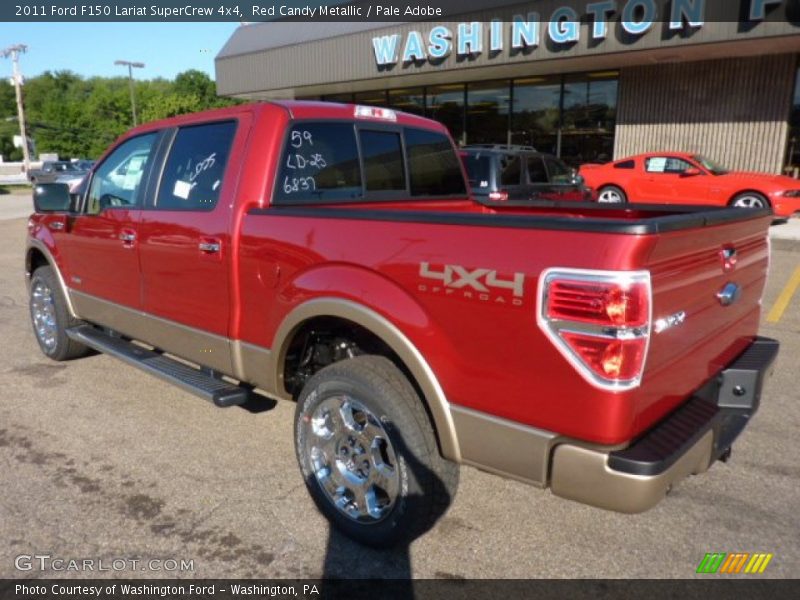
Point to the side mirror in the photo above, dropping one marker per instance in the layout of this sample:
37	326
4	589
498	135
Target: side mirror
692	172
51	197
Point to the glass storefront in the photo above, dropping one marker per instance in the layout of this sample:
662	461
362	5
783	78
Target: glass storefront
377	98
488	112
572	117
411	100
537	109
588	118
445	103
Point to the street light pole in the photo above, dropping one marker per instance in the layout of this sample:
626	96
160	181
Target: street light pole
14	52
131	66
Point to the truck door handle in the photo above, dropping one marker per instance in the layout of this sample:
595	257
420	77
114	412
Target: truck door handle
127	237
209	247
56	225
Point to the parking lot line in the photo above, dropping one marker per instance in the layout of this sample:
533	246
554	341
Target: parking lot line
783	300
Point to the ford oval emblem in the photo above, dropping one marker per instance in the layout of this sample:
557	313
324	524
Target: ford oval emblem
729	294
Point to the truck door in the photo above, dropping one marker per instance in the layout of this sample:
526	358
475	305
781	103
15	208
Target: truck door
101	242
185	242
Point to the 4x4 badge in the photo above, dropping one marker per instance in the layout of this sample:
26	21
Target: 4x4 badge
478	284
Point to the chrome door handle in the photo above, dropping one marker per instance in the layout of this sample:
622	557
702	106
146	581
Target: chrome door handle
209	247
56	225
127	237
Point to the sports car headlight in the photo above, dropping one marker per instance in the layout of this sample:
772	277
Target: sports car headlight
791	194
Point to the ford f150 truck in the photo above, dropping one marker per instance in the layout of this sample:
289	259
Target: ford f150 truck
331	255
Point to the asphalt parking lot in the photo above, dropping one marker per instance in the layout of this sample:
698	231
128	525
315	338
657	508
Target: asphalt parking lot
100	461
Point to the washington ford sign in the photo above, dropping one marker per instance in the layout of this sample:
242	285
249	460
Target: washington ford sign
636	17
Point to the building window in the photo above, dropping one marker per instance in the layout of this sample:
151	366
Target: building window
488	104
343	98
793	151
535	121
588	118
573	118
374	98
445	103
410	100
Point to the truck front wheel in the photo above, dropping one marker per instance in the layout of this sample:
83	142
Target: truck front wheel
368	453
50	317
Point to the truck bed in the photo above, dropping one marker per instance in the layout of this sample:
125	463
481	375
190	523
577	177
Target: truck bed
479	344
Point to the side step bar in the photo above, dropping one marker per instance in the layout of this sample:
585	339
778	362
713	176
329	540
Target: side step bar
190	379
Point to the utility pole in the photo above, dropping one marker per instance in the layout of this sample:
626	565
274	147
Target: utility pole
131	66
14	52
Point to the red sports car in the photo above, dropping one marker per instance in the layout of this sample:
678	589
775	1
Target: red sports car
681	178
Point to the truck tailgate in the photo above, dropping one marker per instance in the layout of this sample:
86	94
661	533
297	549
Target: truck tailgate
707	290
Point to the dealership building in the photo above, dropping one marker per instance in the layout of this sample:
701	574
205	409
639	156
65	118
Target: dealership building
587	81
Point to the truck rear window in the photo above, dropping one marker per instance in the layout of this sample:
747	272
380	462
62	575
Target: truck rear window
321	163
434	168
383	161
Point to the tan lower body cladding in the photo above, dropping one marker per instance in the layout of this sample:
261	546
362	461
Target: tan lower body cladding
232	358
572	469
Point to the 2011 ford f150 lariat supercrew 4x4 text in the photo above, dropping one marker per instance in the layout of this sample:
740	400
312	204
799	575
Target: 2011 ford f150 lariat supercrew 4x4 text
331	255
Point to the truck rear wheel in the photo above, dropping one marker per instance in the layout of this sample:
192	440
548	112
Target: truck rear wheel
368	453
50	317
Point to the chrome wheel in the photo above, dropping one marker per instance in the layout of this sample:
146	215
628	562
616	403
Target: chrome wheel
749	201
43	313
610	196
352	459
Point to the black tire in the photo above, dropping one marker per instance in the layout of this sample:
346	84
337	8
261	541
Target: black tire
427	482
750	200
61	347
611	191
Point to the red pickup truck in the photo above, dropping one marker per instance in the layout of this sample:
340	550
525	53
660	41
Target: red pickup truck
331	255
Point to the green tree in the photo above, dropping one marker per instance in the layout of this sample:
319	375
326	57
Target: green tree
77	117
8	122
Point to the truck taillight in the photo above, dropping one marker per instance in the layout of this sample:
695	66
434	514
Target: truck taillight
501	196
598	302
600	322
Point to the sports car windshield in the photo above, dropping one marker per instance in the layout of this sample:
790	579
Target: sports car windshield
710	165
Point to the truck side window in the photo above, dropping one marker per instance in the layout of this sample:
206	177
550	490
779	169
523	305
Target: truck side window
320	163
195	167
116	182
383	161
434	167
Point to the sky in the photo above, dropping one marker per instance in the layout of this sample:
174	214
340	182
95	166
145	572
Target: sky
90	49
